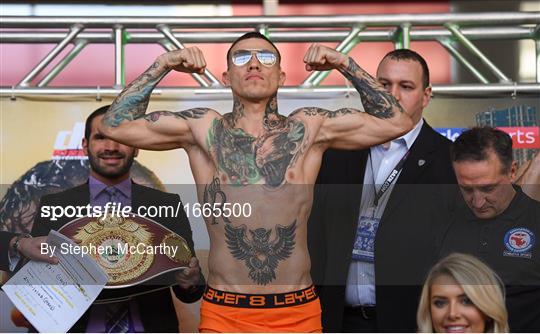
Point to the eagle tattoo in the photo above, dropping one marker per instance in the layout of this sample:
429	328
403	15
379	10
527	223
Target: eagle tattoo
261	255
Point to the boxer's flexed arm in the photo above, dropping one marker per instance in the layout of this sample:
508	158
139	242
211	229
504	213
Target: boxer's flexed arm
349	128
126	121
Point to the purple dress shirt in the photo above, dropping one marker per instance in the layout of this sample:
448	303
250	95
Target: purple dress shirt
100	197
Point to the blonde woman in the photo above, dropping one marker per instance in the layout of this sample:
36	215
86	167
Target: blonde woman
462	295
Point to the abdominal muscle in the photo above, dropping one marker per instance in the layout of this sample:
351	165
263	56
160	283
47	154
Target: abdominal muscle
265	251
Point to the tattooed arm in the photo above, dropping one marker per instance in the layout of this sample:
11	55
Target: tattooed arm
126	121
349	128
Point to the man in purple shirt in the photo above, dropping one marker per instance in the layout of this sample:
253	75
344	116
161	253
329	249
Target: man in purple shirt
110	181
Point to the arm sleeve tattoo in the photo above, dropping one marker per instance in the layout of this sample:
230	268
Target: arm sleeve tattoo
131	104
184	114
377	101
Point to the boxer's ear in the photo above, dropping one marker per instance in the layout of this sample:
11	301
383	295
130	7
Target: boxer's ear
85	146
225	78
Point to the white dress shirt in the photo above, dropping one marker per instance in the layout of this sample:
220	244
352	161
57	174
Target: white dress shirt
383	159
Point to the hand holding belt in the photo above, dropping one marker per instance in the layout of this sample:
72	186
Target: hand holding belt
157	250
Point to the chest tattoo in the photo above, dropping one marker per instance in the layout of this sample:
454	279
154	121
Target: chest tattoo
246	159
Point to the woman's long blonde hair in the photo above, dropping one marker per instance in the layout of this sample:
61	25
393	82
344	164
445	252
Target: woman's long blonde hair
481	285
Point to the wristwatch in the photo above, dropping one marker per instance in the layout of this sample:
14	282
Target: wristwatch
18	238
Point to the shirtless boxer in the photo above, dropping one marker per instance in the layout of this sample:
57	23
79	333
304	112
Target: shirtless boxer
255	155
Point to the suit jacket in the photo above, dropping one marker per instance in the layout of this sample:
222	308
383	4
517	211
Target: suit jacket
156	308
5	238
404	243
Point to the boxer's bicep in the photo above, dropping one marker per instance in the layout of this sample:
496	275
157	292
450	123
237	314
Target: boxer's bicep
160	130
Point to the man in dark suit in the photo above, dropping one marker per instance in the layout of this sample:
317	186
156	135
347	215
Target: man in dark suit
373	218
110	163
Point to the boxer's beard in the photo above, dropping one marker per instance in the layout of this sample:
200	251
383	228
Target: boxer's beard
102	170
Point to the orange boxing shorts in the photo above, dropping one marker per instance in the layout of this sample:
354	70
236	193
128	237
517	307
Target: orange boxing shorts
296	311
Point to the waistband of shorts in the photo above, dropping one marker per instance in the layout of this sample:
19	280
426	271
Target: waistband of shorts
272	300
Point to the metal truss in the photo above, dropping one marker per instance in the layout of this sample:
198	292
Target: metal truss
449	29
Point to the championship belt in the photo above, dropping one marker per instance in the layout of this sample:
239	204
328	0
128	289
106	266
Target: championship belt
131	249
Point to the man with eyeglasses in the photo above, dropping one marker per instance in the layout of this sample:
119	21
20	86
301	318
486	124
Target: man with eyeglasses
258	263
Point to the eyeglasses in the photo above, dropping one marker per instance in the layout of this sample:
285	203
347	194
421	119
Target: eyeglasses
265	57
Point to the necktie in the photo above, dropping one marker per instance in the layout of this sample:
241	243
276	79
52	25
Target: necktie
118	319
113	194
117	314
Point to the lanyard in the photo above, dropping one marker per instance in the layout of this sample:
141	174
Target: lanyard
389	180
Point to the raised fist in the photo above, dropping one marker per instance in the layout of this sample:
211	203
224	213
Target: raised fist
188	60
321	58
